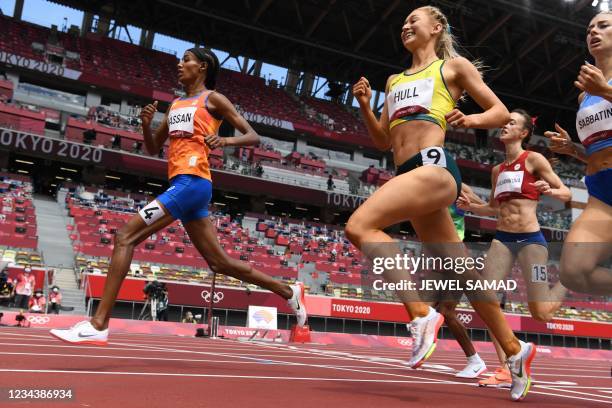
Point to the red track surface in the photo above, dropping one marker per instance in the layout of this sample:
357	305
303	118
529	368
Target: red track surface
138	370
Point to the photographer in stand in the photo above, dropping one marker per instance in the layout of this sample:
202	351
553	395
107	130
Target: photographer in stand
157	300
162	305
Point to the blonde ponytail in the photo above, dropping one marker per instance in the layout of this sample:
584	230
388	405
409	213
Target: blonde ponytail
447	44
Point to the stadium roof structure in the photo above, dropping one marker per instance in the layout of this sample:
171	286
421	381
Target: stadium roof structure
533	49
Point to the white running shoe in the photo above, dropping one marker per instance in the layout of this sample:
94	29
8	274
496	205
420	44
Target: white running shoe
520	370
424	331
297	303
473	369
82	333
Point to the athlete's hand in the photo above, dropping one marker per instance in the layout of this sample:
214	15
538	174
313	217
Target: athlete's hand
458	119
560	141
146	114
591	80
542	186
214	141
362	92
463	202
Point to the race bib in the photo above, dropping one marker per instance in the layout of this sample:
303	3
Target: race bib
509	182
433	156
594	122
180	121
539	273
409	98
151	213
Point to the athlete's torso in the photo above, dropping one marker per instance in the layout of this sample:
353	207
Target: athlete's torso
594	123
594	127
417	105
189	122
517	198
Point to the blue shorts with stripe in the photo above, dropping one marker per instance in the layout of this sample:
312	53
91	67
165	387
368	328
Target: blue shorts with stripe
187	198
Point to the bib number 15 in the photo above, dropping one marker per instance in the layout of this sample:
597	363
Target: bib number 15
433	156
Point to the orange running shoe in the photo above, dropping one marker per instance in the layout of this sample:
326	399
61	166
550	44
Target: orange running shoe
500	378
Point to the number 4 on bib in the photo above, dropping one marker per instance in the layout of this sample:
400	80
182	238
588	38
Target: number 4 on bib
151	213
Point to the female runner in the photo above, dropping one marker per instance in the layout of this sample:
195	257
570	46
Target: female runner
419	103
191	123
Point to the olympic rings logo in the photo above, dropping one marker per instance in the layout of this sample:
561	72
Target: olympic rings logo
217	296
405	342
465	318
38	319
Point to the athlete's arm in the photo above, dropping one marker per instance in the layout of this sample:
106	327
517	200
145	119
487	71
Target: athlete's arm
377	129
468	78
219	105
480	207
153	142
550	184
469	193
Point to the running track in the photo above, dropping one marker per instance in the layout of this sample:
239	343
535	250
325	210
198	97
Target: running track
138	370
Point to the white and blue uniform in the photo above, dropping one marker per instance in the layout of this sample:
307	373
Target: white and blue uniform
594	126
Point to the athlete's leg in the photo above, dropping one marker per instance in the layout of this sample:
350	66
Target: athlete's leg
438	227
497	266
408	196
588	243
204	237
132	234
543	301
447	308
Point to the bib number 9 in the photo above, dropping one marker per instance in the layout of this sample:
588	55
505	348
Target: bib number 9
433	156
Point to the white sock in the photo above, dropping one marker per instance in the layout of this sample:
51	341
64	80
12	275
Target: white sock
514	357
474	359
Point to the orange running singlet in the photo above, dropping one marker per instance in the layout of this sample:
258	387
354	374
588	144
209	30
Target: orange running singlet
189	121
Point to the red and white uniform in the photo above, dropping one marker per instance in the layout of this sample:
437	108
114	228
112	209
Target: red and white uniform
513	181
25	284
55	297
37	304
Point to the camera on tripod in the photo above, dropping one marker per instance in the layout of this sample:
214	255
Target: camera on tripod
155	290
156	303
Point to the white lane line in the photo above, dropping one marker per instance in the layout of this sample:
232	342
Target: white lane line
253	377
602	389
190	360
149	349
187	341
324	366
349	357
262	361
565	396
548	387
541	386
138	343
62	345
